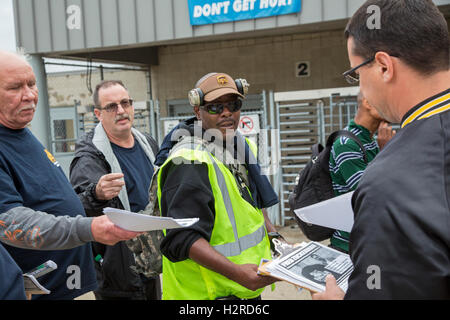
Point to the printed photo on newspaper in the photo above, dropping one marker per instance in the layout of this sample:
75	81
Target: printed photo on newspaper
308	266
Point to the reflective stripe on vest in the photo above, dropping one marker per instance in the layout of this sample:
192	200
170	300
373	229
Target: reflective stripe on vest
240	244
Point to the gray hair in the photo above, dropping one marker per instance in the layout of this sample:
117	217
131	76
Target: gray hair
21	53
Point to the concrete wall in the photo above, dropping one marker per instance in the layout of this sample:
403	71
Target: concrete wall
268	63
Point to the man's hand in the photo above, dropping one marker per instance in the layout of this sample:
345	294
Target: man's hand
109	186
246	274
385	133
332	291
106	232
248	277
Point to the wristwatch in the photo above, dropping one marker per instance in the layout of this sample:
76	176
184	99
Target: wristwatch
274	235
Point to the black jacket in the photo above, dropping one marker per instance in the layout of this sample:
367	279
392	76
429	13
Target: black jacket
400	241
114	276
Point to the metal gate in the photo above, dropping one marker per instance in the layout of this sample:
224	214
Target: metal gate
302	119
64	134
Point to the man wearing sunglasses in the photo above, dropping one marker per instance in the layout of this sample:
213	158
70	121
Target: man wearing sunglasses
400	239
218	257
113	167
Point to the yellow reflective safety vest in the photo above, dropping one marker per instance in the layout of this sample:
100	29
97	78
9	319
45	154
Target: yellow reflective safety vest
239	233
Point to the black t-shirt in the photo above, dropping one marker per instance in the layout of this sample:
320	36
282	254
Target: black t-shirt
138	171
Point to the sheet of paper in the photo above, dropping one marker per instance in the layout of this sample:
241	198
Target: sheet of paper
140	222
336	213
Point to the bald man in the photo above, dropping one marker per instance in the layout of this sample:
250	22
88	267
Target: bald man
41	215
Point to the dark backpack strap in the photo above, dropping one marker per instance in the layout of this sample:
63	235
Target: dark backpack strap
345	133
152	142
316	149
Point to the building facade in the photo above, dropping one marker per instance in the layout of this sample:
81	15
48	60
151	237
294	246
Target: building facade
292	52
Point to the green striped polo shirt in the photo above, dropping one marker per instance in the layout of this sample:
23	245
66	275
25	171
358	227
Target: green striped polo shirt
347	167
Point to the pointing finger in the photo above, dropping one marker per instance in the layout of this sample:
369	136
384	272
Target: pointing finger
112	176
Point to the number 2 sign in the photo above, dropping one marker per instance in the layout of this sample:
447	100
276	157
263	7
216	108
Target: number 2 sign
302	69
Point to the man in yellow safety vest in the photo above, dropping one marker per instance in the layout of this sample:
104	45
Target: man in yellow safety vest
212	173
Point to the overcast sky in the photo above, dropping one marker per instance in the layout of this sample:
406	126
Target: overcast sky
7	35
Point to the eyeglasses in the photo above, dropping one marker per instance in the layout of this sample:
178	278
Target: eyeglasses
217	108
113	107
352	76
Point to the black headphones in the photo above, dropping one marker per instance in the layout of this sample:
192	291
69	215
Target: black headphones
196	95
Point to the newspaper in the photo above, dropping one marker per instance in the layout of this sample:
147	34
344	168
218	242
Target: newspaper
308	265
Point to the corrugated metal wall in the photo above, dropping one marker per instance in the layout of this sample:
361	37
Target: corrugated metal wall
41	24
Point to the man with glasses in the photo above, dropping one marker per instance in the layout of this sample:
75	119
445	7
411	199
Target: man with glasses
400	241
113	167
209	171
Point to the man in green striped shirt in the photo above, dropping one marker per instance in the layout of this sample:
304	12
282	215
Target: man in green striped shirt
346	158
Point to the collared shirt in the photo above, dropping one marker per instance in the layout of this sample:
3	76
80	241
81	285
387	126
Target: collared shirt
434	105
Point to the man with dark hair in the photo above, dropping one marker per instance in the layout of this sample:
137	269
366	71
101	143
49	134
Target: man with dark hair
347	161
400	241
211	172
113	167
428	34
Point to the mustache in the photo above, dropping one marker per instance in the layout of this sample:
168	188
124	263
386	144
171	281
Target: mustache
121	117
28	107
226	121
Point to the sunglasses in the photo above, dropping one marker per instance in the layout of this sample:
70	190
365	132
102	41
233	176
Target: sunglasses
113	107
217	108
